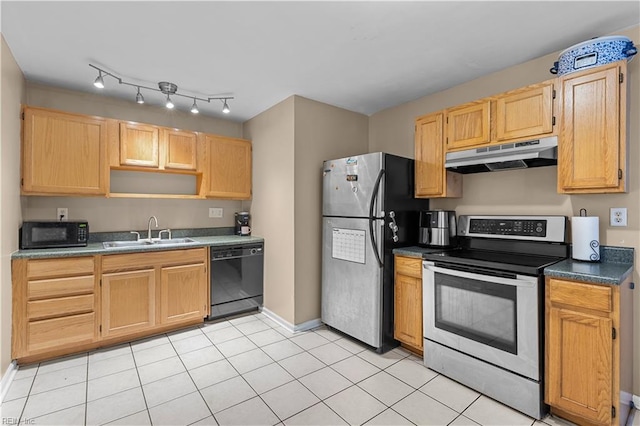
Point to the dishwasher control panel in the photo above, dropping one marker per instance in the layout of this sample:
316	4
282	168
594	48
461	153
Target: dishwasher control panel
236	251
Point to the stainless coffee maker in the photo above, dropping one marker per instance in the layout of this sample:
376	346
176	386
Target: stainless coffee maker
242	224
437	228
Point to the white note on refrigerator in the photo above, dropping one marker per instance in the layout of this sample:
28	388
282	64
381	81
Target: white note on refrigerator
348	244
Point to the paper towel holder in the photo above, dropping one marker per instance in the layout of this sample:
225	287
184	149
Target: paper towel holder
593	244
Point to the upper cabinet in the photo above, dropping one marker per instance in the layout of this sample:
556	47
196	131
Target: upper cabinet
161	148
431	178
468	125
229	171
520	114
592	143
63	154
525	112
73	154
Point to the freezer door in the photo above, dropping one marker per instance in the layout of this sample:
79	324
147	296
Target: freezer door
352	279
348	185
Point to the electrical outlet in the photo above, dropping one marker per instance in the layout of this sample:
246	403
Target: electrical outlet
63	214
215	212
618	216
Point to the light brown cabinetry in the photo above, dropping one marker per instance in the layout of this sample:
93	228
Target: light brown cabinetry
154	147
592	144
148	290
128	302
524	113
60	307
407	325
64	154
54	305
469	125
229	171
521	114
588	342
431	178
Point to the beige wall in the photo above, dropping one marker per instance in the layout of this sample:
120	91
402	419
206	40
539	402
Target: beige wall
322	132
12	93
272	206
527	191
117	214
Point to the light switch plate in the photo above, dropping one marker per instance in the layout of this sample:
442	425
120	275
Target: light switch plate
618	216
215	212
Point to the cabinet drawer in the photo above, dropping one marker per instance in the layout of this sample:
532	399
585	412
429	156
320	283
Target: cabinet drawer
59	332
59	287
409	266
62	306
588	296
46	268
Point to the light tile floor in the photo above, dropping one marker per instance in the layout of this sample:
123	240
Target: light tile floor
246	371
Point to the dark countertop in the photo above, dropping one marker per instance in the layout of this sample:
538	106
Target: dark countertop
415	251
95	248
616	264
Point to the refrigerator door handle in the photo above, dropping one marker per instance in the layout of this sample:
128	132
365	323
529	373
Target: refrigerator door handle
372	218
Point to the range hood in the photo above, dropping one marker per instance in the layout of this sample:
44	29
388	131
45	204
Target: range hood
518	155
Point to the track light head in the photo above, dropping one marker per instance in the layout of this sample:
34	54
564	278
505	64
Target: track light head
225	107
169	104
139	97
99	82
194	107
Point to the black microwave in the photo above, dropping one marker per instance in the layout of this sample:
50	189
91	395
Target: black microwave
50	234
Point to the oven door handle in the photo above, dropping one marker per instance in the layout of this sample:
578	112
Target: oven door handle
485	275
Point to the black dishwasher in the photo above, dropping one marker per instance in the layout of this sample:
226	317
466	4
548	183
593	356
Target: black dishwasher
236	279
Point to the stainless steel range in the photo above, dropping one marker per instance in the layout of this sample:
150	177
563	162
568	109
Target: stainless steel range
484	306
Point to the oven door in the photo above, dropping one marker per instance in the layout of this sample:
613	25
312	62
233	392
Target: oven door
489	315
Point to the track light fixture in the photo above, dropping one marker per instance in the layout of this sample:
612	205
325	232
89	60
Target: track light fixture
164	87
139	97
99	82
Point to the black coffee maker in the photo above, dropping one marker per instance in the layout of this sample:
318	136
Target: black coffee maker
242	223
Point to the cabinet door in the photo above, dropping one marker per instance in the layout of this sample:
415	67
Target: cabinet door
128	302
179	149
139	145
469	125
408	310
183	293
429	156
524	113
229	167
590	158
64	153
579	349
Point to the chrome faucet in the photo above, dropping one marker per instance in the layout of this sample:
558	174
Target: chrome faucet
149	229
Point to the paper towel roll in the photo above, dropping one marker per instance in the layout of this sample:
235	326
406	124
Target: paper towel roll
585	233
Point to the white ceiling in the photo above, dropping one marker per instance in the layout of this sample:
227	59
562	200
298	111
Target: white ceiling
363	56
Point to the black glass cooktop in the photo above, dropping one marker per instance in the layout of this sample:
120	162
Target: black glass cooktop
528	264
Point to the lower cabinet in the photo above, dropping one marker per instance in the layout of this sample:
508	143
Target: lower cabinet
407	326
588	334
128	302
60	307
54	305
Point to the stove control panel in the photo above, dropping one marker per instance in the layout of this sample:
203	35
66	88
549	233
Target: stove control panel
552	229
534	228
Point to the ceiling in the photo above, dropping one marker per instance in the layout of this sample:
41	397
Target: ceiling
364	56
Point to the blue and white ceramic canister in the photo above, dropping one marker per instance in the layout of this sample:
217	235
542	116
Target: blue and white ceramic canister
592	53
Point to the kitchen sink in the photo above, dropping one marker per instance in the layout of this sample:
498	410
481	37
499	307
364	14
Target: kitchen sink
146	243
174	241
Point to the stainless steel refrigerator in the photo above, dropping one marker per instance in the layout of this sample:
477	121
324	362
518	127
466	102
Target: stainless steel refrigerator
368	209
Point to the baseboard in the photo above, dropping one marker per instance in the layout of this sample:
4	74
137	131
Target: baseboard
7	378
308	325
